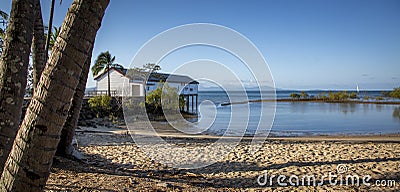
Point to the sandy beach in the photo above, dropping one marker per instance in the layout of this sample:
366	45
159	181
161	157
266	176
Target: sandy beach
114	163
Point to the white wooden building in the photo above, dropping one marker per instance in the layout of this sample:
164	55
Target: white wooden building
122	85
118	84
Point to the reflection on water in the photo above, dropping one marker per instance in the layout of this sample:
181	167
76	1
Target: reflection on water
336	118
348	107
316	118
309	118
396	113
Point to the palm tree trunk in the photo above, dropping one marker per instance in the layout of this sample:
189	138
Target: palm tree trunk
39	55
108	78
13	72
50	26
65	147
28	165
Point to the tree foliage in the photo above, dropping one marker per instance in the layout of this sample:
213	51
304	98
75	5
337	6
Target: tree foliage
331	96
395	93
353	95
164	98
53	36
294	96
304	95
143	72
338	96
103	62
100	104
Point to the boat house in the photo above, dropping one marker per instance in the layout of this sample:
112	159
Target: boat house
122	84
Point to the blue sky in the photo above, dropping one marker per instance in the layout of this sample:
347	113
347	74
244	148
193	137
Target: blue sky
308	44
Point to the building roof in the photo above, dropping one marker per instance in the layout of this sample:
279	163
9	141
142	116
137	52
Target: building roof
122	71
155	77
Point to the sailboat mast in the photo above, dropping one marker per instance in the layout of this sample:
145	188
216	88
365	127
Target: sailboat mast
358	90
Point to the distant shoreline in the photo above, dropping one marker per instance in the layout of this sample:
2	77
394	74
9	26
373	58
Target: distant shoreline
315	100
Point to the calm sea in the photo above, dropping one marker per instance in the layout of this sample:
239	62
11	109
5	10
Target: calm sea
305	118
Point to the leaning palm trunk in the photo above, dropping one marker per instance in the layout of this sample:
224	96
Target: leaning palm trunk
28	165
39	55
65	147
13	72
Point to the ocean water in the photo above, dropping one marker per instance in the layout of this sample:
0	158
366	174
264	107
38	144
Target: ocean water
297	118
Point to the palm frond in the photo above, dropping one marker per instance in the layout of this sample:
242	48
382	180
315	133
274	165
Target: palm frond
2	33
103	60
97	68
117	66
4	15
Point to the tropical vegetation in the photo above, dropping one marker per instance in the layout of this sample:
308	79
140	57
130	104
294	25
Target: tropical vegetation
100	104
330	96
143	72
302	95
103	63
395	93
53	36
164	98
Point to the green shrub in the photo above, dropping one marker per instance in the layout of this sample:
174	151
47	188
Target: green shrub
304	95
338	96
164	98
101	105
395	93
353	95
332	96
153	98
181	102
295	96
322	96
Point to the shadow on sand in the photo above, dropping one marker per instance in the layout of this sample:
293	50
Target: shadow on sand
195	177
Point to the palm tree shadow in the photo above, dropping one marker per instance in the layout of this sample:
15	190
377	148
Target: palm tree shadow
196	177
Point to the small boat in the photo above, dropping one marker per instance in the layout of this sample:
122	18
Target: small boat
358	90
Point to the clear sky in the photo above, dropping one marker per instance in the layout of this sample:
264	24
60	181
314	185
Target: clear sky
308	44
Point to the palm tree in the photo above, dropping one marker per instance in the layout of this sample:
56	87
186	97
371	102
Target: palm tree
49	36
4	17
39	56
53	36
65	147
3	22
50	24
30	159
13	70
103	63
